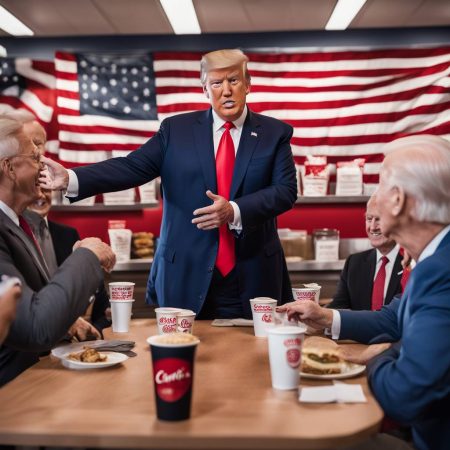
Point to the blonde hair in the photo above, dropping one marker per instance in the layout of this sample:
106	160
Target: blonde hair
9	132
222	59
423	172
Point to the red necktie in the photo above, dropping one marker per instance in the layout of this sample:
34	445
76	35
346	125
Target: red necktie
27	229
224	171
378	285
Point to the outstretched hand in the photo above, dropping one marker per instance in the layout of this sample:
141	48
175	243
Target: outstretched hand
53	175
215	215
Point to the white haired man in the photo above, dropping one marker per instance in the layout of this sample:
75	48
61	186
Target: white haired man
227	173
409	370
48	305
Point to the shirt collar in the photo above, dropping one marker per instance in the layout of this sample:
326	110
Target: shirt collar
391	255
238	123
9	212
434	244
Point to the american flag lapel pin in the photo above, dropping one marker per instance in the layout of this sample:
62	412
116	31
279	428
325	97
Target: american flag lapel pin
254	134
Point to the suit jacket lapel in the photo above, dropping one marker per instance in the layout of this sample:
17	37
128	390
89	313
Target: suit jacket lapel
367	274
395	278
249	139
30	247
204	144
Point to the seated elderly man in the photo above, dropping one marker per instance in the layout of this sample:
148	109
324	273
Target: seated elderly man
370	279
409	370
57	240
10	291
49	305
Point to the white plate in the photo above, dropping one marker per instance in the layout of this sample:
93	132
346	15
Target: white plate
62	350
350	370
112	360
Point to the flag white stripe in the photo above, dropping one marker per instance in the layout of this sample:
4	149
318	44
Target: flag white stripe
68	103
41	110
93	138
65	66
84	157
315	66
24	67
67	85
91	120
411	123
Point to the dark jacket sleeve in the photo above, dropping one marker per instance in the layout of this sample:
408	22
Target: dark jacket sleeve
341	299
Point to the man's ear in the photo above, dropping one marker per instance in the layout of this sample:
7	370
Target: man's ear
398	200
205	91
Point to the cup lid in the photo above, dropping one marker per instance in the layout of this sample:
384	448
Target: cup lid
287	329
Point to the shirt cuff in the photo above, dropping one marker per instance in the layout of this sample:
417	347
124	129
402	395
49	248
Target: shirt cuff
236	224
72	186
335	325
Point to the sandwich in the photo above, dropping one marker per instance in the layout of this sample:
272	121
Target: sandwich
320	356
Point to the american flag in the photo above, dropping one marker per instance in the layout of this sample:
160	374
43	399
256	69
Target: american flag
30	84
342	103
106	105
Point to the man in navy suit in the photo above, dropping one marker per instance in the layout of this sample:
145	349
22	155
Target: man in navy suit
227	173
355	289
409	368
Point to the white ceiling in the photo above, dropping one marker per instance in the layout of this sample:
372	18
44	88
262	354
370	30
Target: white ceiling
115	17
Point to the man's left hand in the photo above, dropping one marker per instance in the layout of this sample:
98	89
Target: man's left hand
215	215
358	355
82	329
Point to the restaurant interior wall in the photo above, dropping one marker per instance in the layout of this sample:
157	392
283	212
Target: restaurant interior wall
346	217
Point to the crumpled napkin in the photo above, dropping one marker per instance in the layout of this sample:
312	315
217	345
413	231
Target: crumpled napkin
112	346
337	393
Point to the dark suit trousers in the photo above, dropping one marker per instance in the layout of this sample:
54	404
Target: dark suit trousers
222	300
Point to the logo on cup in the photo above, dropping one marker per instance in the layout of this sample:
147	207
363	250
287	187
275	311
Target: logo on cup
262	308
306	295
172	378
169	328
293	357
296	342
185	324
167	320
266	318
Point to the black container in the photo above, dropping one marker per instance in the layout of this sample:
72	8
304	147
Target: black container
173	375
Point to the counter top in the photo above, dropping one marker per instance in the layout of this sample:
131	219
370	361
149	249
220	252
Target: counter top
293	265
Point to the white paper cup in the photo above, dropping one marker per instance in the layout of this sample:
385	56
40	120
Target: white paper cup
285	351
121	315
263	309
307	293
167	320
121	290
185	321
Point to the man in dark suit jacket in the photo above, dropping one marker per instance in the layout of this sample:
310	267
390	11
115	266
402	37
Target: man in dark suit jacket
355	285
56	241
409	367
48	306
10	291
185	271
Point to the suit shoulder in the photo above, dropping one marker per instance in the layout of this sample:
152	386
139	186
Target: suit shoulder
356	258
63	228
184	119
274	123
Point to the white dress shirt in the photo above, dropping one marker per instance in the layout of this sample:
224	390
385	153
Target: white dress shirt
9	212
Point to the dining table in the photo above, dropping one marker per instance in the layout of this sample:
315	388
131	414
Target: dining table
233	406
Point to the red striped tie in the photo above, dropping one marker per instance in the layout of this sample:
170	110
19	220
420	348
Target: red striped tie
27	230
225	157
378	285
